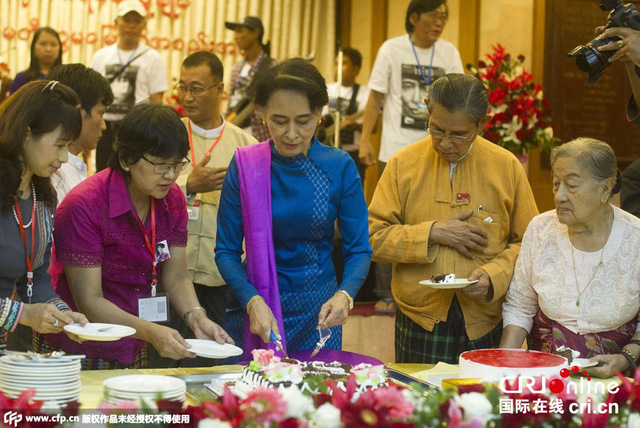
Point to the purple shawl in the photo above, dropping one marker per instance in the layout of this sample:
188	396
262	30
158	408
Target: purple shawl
254	176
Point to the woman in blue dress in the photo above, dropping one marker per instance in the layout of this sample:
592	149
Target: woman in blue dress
289	286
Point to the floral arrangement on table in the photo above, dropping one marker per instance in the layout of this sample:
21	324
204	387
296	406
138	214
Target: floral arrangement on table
471	406
521	118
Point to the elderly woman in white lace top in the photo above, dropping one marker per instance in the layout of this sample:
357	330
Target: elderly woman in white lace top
577	279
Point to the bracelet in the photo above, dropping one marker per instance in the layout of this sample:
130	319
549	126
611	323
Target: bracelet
349	298
252	301
15	323
630	358
197	308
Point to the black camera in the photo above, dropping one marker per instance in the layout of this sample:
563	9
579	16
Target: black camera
588	58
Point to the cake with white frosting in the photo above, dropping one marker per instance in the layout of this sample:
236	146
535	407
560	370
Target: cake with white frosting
269	370
491	365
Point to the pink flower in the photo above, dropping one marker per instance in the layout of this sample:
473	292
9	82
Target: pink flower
454	414
264	406
262	356
392	399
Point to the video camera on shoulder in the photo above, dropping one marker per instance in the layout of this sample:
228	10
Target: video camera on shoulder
588	58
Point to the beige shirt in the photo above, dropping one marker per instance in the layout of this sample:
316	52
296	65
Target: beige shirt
544	277
415	191
202	231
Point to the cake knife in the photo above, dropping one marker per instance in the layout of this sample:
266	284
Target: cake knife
278	343
325	334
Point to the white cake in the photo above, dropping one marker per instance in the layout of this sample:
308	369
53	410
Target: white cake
491	365
268	370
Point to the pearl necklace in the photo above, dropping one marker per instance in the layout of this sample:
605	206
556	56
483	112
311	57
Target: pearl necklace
15	214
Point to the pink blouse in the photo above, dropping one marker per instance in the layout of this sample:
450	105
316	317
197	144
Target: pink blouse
97	226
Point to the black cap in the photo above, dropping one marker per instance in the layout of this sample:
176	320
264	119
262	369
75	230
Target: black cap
252	22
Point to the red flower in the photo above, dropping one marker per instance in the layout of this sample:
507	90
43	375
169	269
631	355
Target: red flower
477	387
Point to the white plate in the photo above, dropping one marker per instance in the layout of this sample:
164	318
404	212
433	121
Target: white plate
144	383
90	331
582	363
43	362
122	394
212	349
53	371
457	283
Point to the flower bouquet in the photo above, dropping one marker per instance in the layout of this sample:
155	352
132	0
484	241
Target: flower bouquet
520	112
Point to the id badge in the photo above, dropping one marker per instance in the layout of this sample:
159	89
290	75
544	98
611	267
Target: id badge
154	309
162	251
194	209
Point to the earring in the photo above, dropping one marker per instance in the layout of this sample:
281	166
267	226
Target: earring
264	122
320	121
126	169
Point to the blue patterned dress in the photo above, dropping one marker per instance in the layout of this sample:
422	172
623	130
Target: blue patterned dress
308	195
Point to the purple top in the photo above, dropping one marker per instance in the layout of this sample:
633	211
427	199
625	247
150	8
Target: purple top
96	226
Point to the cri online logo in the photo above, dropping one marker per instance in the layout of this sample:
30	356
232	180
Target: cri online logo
538	385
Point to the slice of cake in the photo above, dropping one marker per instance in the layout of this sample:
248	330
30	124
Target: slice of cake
445	278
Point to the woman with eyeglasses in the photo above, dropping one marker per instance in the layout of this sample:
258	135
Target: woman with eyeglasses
36	126
452	202
108	232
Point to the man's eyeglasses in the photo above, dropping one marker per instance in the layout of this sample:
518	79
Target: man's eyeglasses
163	168
455	139
195	90
438	15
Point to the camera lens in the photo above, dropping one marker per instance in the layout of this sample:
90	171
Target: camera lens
592	61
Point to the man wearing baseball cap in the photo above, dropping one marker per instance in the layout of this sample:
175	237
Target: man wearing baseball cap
248	37
135	72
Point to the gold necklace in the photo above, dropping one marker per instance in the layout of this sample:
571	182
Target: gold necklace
595	270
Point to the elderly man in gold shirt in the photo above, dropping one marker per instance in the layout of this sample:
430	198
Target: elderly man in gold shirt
452	202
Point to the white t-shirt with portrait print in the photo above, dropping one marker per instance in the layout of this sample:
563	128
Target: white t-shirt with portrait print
145	75
397	75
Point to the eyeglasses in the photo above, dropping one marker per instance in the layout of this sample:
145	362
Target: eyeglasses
455	139
163	168
195	90
438	15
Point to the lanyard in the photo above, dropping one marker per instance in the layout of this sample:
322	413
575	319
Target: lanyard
28	257
213	146
130	57
426	80
151	246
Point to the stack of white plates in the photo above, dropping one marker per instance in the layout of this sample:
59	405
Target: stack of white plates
54	379
150	387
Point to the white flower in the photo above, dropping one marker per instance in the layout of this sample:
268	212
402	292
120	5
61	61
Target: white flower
548	132
326	416
474	404
213	423
298	404
539	96
634	420
511	129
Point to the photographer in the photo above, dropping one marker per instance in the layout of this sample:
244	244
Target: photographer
628	50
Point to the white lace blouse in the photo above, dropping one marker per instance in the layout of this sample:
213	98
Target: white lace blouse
544	277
